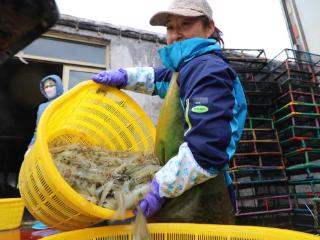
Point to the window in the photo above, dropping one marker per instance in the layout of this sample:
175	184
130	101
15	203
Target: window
67	51
74	75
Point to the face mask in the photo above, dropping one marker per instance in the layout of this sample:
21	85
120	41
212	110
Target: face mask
50	90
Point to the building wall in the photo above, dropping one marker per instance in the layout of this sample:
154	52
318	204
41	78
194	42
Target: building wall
128	52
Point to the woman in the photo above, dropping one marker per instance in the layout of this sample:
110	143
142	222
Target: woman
51	87
201	120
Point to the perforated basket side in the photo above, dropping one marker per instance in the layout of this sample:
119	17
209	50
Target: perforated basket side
104	116
90	114
179	231
11	211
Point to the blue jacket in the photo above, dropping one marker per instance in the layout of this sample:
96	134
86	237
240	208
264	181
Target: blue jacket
43	106
211	96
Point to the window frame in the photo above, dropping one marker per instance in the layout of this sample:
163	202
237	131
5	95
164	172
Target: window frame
68	68
76	39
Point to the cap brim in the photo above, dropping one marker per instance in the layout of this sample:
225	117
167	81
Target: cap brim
161	18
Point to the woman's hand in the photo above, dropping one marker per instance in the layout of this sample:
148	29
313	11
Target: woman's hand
152	202
117	78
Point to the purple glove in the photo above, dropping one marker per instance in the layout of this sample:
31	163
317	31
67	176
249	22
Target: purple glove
152	202
117	78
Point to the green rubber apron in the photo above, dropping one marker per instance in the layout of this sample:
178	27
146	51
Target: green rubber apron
208	202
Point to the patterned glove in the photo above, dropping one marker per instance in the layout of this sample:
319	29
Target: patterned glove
117	78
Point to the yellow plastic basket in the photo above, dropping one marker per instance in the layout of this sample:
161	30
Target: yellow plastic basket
183	231
90	114
11	212
10	235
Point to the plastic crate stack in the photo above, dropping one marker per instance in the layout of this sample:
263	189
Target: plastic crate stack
257	169
297	119
250	64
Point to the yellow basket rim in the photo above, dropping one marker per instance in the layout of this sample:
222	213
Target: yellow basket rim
251	232
73	196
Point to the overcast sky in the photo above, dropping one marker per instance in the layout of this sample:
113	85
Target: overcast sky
252	24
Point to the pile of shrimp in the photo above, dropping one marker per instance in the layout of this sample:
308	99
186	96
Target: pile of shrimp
100	175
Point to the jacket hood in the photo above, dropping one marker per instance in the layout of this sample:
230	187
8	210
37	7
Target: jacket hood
59	86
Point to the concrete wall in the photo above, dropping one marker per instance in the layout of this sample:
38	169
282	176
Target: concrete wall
128	52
